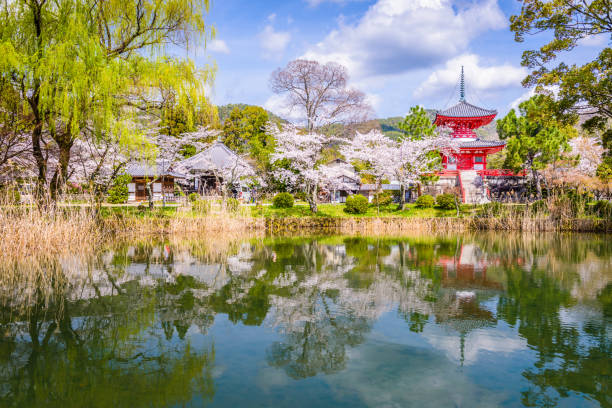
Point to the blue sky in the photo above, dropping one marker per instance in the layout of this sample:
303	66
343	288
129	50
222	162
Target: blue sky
401	53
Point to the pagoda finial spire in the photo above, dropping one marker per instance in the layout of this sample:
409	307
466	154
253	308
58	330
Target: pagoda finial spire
462	87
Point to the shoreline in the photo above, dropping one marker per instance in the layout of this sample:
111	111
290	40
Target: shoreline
348	225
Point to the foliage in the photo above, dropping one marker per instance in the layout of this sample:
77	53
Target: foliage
407	161
232	205
298	162
176	121
118	193
496	160
224	112
201	206
80	81
382	198
536	138
244	131
603	208
604	170
193	197
10	195
446	201
188	150
585	89
539	207
417	124
282	200
425	201
356	204
492	209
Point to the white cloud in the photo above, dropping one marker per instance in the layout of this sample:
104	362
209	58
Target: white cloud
479	79
395	36
274	42
526	95
218	46
277	104
593	41
476	343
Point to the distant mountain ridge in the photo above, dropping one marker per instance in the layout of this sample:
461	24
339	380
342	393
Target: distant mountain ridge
389	126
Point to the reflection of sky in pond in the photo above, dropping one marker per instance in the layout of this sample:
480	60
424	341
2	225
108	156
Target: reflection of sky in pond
336	321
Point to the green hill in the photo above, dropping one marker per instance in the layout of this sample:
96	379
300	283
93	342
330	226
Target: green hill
389	126
225	110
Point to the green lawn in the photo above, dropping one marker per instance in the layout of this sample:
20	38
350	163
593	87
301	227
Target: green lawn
336	210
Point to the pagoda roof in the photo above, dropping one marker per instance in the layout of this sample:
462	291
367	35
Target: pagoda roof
475	144
465	110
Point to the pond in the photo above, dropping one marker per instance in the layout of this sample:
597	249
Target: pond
476	320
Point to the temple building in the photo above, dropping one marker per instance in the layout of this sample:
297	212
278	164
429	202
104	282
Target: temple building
466	169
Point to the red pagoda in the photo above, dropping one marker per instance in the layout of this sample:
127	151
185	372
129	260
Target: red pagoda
467	168
463	118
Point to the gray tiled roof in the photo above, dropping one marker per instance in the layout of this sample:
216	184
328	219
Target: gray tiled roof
482	143
143	169
466	110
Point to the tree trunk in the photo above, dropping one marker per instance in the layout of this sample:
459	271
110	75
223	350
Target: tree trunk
150	195
61	173
41	162
312	200
456	204
402	197
536	179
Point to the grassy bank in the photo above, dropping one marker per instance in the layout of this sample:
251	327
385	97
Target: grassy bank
28	231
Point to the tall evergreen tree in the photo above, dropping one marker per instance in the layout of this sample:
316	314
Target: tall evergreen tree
417	124
536	137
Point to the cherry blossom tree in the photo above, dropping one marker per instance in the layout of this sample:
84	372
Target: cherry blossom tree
579	168
320	93
404	161
298	158
374	154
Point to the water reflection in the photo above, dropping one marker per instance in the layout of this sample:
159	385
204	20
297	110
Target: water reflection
143	324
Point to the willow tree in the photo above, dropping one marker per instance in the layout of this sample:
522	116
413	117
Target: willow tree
88	68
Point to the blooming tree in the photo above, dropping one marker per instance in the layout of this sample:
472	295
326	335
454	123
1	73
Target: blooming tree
405	161
298	159
374	152
579	167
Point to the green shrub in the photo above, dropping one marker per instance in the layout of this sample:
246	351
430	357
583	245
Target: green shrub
282	200
539	207
603	208
232	205
300	195
446	201
10	195
382	198
356	204
492	209
425	201
193	197
118	192
201	206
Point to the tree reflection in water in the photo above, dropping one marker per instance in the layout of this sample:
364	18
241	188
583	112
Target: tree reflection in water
120	335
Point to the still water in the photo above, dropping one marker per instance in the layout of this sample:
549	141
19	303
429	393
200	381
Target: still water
457	321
